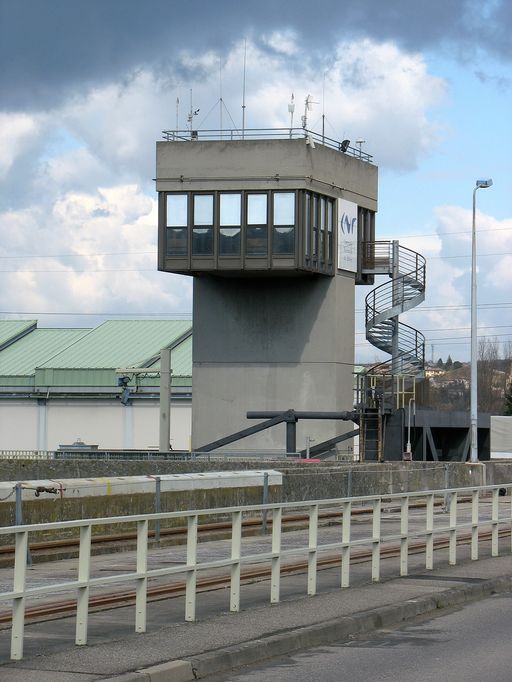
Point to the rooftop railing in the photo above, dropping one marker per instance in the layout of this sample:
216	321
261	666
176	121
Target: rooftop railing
312	138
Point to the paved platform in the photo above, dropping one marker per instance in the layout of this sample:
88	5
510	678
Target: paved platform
175	651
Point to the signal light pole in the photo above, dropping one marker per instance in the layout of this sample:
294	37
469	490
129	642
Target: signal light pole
474	343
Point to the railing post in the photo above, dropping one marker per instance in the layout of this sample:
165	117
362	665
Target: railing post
142	580
404	536
277	515
429	534
264	501
18	604
158	486
495	522
18	514
236	542
312	549
190	590
84	570
345	539
474	525
452	506
377	509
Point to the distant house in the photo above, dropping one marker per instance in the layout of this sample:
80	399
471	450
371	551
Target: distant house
57	385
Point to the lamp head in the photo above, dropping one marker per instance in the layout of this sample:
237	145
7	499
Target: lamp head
483	183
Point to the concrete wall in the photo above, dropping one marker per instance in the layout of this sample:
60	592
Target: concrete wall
300	482
270	164
276	344
44	425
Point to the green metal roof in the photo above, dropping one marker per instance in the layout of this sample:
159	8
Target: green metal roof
88	358
93	358
119	343
10	330
20	359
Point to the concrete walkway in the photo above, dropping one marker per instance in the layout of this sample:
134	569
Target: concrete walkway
175	651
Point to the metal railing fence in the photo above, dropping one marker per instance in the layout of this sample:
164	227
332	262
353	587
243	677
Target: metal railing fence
264	134
484	513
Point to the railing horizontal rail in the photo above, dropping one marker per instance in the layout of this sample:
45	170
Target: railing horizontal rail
484	512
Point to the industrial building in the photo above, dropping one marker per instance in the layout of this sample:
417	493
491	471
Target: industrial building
277	227
60	385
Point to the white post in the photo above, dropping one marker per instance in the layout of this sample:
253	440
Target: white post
84	569
377	509
452	506
18	604
141	585
236	541
404	536
474	525
312	549
190	589
345	550
277	515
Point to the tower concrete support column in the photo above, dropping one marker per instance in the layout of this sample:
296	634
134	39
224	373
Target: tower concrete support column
271	344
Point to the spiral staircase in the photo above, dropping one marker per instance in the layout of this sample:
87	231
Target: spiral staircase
390	385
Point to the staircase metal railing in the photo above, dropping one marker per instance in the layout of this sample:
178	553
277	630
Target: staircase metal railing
383	305
389	385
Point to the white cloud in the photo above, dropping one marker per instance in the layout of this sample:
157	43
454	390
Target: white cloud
95	196
17	132
284	42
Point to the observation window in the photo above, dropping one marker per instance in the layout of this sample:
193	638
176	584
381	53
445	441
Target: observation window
257	229
230	209
177	224
202	232
230	221
284	208
283	242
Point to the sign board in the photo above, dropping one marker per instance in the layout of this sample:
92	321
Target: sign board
347	235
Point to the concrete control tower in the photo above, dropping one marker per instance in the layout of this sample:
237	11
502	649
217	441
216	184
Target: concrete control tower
272	225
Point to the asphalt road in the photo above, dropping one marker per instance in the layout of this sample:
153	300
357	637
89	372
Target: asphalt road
470	645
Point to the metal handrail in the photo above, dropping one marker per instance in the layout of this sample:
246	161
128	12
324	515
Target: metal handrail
263	134
191	565
387	301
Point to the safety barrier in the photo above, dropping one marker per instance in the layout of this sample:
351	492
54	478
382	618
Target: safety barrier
484	512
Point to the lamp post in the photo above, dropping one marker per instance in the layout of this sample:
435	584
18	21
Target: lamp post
474	347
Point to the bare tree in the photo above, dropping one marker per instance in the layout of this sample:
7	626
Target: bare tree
492	379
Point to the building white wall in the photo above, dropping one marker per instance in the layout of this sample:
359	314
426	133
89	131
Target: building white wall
18	424
25	425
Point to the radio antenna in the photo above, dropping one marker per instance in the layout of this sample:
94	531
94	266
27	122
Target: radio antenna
291	109
243	91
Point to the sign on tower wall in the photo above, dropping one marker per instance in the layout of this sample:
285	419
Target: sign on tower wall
347	235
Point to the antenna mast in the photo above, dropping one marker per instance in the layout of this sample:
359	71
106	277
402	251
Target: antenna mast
243	91
220	95
177	113
308	105
323	110
191	114
291	109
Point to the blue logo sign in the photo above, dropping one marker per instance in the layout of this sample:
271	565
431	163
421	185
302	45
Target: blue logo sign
348	224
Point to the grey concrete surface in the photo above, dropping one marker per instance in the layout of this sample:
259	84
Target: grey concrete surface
468	645
220	640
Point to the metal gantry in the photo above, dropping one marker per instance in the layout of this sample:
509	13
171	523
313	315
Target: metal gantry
484	516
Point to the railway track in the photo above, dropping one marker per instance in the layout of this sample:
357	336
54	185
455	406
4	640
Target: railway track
70	545
67	607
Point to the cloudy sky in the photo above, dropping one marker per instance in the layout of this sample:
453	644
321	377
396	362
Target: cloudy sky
87	86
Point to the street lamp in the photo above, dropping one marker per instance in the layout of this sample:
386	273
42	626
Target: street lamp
474	349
